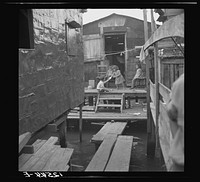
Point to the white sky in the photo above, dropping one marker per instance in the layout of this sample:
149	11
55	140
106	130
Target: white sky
95	14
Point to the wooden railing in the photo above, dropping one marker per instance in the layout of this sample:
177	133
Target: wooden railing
165	135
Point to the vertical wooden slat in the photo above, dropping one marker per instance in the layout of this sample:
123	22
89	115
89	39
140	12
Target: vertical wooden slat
80	122
150	136
63	133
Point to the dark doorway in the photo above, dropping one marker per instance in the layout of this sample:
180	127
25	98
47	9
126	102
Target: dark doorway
115	43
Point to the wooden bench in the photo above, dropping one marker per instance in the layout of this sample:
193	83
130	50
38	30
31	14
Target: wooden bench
116	128
113	154
46	157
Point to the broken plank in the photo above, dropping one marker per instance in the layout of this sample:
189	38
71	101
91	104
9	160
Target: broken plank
121	154
23	139
101	157
28	149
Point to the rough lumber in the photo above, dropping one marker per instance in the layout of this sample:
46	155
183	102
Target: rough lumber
23	158
23	139
120	157
114	128
39	154
59	160
101	157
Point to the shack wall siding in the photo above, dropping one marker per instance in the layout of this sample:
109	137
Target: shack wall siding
134	30
50	81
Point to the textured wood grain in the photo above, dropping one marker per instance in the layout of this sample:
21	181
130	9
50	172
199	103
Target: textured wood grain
23	139
101	157
121	154
39	154
114	128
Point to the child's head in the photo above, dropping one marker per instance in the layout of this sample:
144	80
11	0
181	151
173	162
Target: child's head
101	78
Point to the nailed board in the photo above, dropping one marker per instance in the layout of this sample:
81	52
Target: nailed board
120	157
23	139
39	154
109	128
101	157
48	157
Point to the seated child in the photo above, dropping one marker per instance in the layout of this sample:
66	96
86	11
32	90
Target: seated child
100	85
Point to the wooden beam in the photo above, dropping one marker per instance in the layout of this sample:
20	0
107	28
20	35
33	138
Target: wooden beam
80	122
23	139
28	149
62	130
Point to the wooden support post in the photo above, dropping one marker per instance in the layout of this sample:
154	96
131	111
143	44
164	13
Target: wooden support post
150	124
62	129
80	122
90	100
156	74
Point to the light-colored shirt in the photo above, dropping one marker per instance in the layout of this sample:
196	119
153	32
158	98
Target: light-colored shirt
138	73
100	85
176	152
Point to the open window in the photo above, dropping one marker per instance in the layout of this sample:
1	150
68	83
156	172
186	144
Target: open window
26	40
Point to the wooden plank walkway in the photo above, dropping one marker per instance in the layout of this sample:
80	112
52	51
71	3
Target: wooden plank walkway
109	128
120	157
135	113
47	157
99	160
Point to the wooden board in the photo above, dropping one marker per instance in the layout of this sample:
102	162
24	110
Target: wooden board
23	158
101	157
23	139
112	128
127	114
153	111
120	157
39	154
59	160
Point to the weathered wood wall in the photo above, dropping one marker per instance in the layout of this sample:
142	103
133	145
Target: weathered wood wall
50	79
132	27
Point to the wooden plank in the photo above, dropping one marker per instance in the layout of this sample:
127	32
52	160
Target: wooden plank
165	92
80	123
165	135
109	98
101	157
113	128
62	134
120	157
41	151
153	111
28	149
109	105
23	139
23	158
39	165
59	160
152	92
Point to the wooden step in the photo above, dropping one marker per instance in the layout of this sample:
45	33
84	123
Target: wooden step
108	105
109	98
111	95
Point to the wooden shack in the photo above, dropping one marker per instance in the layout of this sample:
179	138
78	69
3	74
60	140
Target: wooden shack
50	65
113	40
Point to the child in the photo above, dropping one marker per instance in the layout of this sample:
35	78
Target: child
137	75
100	85
119	79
